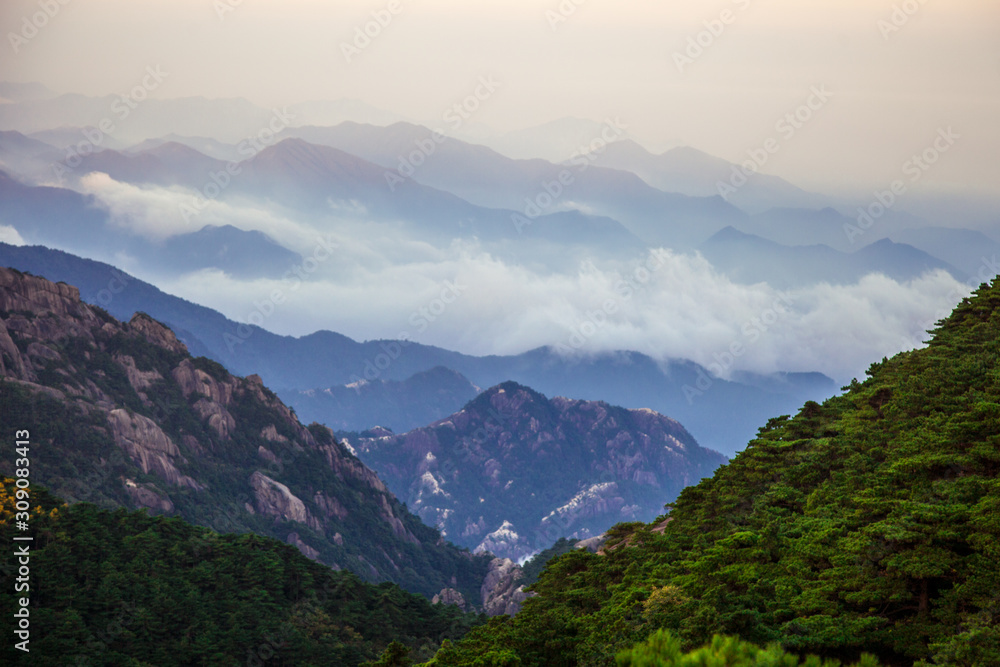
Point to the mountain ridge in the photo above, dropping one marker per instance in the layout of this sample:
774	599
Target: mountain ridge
125	417
513	471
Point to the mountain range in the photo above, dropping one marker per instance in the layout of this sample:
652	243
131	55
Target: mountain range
301	369
751	259
126	417
686	170
207	490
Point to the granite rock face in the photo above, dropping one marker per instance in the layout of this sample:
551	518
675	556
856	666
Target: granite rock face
502	592
514	471
452	597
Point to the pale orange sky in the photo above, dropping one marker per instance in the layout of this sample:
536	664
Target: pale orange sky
608	58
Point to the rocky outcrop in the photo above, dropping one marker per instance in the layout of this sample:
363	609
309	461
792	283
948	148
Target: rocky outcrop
27	293
145	496
501	591
330	507
595	501
398	529
593	544
274	499
270	433
452	597
253	385
351	468
196	381
269	456
307	551
11	362
156	333
216	416
148	446
503	540
140	380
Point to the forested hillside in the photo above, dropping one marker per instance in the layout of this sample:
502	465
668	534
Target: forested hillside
870	523
123	416
124	588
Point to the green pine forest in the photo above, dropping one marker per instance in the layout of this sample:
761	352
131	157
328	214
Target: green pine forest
868	524
115	587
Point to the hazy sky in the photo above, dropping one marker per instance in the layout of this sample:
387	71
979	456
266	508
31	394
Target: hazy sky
892	91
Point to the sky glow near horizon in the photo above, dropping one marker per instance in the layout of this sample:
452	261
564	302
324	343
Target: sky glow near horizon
894	83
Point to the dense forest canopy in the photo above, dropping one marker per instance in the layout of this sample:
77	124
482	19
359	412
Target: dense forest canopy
124	588
870	523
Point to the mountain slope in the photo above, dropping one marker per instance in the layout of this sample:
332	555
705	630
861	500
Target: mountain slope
513	471
117	588
125	417
396	405
23	154
867	523
227	119
691	172
169	163
751	259
326	180
828	226
971	251
237	252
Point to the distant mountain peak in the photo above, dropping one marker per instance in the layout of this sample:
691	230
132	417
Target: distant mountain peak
514	470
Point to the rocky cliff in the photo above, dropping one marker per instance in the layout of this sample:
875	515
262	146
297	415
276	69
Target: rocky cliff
122	415
513	471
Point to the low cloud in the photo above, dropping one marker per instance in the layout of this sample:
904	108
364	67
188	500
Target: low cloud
9	235
677	306
156	213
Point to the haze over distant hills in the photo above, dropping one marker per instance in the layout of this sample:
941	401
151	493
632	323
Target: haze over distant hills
751	259
616	273
689	171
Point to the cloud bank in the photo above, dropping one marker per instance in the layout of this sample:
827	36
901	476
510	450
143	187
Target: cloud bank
371	280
